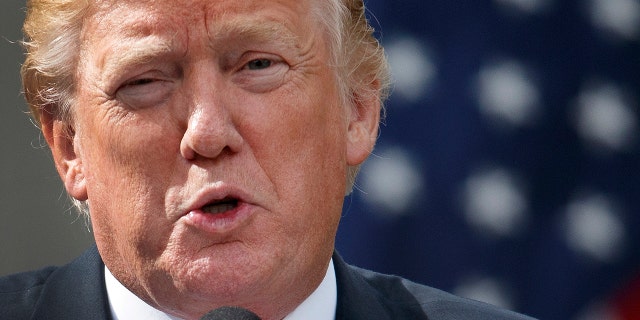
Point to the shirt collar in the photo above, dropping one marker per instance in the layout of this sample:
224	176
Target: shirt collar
320	305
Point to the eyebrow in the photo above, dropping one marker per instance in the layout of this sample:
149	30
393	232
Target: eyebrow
257	30
135	51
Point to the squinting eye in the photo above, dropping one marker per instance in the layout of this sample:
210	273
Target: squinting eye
259	64
138	82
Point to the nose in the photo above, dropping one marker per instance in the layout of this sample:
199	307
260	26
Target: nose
210	129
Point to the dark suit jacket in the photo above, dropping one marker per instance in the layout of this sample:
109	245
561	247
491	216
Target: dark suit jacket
77	291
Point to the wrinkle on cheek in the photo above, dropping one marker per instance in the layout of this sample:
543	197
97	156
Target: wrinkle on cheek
109	161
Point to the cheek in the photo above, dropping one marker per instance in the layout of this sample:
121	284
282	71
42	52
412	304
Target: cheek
126	164
304	115
123	150
301	146
296	136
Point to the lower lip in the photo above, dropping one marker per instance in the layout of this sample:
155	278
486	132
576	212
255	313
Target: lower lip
220	223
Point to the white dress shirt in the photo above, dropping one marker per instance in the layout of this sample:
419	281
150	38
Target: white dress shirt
320	305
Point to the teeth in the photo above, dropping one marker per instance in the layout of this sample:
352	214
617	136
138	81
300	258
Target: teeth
218	208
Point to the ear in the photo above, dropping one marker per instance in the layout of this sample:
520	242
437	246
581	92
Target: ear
364	122
61	138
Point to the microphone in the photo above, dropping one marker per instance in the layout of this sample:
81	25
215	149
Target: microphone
230	313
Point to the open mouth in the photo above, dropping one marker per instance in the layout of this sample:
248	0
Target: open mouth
221	215
221	206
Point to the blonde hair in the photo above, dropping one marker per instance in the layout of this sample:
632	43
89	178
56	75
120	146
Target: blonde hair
53	31
359	58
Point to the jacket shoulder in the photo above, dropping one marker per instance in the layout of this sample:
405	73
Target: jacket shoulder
72	291
20	292
365	294
435	303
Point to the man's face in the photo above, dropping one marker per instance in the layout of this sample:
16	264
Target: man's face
211	144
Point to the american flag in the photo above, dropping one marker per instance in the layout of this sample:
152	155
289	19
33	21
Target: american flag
508	167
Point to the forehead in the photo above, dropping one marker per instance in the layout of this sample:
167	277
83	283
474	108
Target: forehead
141	17
121	33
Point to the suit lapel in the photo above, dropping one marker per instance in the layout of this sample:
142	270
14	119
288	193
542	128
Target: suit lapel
364	294
356	298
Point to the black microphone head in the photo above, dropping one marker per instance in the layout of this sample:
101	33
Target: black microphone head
230	313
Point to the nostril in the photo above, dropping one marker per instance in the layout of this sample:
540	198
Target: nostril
186	151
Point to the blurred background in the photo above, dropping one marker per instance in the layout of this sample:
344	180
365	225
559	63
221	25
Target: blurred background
508	167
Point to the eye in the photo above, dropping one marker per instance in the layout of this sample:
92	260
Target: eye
259	64
144	92
139	82
260	72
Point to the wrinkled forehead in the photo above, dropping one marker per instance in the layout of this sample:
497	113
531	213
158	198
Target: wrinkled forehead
124	32
139	16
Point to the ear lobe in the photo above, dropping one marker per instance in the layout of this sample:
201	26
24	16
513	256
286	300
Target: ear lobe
61	138
363	127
